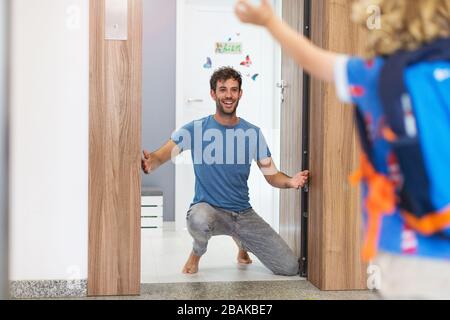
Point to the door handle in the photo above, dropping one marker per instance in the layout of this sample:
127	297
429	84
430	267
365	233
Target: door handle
282	85
191	100
306	188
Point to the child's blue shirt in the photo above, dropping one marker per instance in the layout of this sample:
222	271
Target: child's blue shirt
357	82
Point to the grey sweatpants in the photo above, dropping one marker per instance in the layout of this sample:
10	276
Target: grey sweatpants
251	232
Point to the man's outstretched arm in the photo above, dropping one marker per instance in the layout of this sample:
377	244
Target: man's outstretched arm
280	180
152	161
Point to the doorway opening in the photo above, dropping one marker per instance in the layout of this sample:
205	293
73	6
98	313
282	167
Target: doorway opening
178	61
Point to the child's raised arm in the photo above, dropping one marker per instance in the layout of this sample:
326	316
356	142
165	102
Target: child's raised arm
316	61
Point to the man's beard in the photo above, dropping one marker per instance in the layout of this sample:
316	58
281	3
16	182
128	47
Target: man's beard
225	111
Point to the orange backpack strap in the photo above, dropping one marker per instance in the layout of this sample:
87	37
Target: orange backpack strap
381	200
430	223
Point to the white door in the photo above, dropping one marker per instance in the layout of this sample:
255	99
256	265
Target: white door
203	27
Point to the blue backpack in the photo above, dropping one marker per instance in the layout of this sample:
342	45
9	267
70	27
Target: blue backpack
414	89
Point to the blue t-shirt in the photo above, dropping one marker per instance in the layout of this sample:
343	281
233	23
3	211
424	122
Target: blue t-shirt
222	158
357	83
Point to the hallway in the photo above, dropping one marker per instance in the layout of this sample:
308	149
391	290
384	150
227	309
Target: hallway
164	252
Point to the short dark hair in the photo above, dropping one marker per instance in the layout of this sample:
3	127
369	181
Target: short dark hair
224	74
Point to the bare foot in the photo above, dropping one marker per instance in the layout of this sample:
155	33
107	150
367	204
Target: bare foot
244	258
191	266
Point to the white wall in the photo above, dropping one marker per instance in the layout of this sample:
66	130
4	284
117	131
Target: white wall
3	150
159	83
49	142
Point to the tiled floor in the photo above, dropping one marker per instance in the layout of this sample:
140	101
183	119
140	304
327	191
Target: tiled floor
164	253
245	290
248	290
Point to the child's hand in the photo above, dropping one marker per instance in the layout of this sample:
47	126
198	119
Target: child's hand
256	15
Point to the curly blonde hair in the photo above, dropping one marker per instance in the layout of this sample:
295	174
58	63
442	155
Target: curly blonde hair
403	24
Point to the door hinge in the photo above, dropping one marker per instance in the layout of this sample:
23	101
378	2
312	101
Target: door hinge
303	267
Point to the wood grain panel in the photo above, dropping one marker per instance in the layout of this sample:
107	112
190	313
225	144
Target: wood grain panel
334	241
291	133
114	155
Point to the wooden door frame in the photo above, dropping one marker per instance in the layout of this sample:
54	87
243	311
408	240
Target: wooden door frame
334	229
114	155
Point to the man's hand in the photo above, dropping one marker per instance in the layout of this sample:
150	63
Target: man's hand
299	180
260	15
147	162
152	161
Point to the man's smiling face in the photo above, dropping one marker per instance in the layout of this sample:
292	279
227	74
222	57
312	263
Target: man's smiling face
227	96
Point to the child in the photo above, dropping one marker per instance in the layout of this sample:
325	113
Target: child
414	265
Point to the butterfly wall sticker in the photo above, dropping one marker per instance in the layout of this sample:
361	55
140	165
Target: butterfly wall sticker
253	77
208	64
247	62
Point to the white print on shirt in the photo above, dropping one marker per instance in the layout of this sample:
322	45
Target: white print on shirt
442	75
409	241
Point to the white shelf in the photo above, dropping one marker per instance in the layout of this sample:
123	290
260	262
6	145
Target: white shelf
151	212
152	201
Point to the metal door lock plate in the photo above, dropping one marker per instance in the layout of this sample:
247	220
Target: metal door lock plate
116	20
